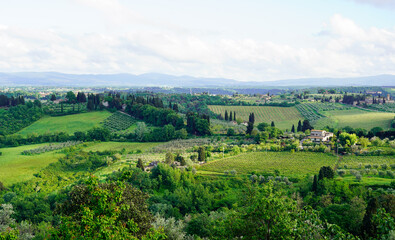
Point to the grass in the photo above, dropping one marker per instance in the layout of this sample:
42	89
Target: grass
290	164
283	117
15	167
118	146
355	118
68	124
354	161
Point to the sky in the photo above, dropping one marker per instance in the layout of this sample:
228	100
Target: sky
250	40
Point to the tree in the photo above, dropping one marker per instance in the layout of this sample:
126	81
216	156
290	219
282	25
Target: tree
250	127
53	97
347	139
201	154
234	116
314	188
140	131
230	116
2	187
299	128
272	124
169	158
293	128
114	210
140	164
230	132
71	98
181	159
326	172
306	125
261	126
226	115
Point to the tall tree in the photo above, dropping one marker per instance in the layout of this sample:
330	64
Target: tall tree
299	128
230	116
202	154
140	164
250	127
293	128
272	124
226	115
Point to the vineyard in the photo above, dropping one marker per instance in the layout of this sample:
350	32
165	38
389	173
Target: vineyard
283	117
309	112
388	107
50	147
118	122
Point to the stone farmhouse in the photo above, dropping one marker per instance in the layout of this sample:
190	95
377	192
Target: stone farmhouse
320	136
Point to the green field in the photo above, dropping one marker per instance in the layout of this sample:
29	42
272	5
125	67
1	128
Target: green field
290	164
283	117
355	118
118	146
68	124
15	167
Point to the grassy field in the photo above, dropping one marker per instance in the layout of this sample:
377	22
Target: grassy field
289	164
283	117
355	118
15	167
118	146
68	124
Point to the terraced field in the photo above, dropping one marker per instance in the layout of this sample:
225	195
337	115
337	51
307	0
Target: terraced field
283	117
68	124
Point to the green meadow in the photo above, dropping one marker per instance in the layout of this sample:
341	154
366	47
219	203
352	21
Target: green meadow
68	124
15	167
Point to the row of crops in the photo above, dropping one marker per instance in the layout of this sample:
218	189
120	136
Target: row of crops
50	147
262	113
309	111
388	107
118	122
327	106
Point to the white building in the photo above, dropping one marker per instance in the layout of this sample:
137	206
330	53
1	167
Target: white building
320	135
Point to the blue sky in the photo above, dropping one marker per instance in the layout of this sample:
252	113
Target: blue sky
244	40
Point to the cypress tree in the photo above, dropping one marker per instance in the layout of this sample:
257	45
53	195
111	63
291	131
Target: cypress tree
293	128
314	188
299	129
273	125
234	116
230	116
226	115
140	164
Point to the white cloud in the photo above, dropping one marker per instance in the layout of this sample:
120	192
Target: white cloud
345	49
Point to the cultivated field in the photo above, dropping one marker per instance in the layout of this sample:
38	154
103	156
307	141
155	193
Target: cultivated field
118	146
355	118
68	124
289	164
283	117
15	167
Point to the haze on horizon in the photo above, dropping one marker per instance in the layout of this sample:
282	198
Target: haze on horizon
255	40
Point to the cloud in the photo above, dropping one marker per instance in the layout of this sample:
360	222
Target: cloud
388	4
344	49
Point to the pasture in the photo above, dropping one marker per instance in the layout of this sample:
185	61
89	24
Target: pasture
68	124
15	167
283	117
355	118
289	164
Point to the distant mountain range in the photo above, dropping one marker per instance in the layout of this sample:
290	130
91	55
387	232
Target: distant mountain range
156	79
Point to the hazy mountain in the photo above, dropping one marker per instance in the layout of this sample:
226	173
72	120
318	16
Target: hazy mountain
156	79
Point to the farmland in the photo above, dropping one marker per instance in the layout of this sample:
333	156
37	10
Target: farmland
15	167
283	117
356	118
118	122
68	124
118	146
289	164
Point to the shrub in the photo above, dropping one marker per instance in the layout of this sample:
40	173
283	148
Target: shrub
345	166
358	177
233	172
374	172
384	166
368	166
341	173
381	173
391	174
375	166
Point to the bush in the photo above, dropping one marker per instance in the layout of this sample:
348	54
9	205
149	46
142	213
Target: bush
368	166
391	174
374	172
233	172
381	173
358	177
384	166
341	173
375	166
